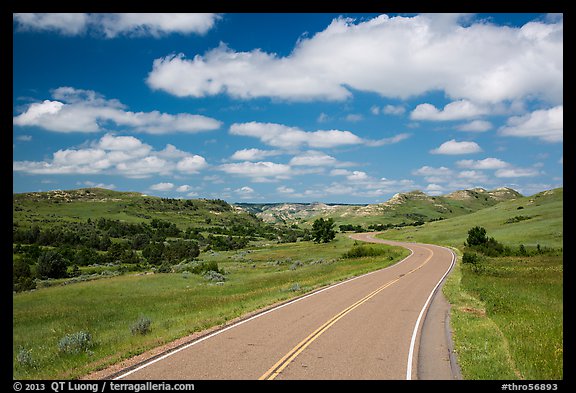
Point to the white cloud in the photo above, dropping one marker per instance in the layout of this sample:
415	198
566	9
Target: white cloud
162	186
487	163
473	175
115	155
279	135
354	117
457	110
452	147
313	158
114	24
475	126
66	24
545	124
191	164
24	138
434	175
478	61
394	109
92	184
253	154
246	191
183	188
434	189
260	171
517	172
284	190
87	111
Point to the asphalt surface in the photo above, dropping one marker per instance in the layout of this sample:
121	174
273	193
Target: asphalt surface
369	327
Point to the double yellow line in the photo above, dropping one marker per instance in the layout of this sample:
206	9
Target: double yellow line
302	345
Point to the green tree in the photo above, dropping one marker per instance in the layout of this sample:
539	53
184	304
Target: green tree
51	264
323	230
476	236
22	279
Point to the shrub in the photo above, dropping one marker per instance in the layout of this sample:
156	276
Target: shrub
364	251
75	342
24	357
141	326
212	275
470	257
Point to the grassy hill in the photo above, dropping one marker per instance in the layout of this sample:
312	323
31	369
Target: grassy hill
507	311
512	299
54	207
537	219
407	207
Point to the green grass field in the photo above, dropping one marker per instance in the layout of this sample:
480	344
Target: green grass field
507	316
177	304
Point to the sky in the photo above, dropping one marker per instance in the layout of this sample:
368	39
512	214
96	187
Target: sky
282	107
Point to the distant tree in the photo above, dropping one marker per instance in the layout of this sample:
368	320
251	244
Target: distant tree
323	230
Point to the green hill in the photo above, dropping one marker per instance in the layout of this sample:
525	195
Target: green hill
407	208
53	207
532	220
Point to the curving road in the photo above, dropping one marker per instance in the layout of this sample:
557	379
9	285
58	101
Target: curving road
369	327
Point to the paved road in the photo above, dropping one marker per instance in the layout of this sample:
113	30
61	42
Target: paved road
368	327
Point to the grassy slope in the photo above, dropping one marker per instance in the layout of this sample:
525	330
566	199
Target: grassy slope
178	304
544	227
131	207
414	206
508	318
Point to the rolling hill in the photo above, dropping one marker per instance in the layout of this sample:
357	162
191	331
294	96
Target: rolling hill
404	207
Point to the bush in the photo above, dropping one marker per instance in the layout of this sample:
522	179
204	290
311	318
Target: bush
75	342
141	326
471	258
51	264
24	358
364	251
212	275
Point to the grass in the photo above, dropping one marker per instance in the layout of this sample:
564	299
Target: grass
176	304
507	313
545	227
523	297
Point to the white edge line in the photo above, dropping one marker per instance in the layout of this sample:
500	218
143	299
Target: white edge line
251	318
416	326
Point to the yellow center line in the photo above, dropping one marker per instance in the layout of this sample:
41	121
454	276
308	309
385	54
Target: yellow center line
302	345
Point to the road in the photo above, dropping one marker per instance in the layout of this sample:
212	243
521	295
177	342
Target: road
369	327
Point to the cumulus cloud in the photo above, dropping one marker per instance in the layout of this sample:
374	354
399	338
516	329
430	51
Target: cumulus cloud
284	190
476	61
253	154
78	110
112	25
162	186
316	158
434	175
487	163
457	110
517	172
475	126
115	155
545	124
279	135
453	147
260	171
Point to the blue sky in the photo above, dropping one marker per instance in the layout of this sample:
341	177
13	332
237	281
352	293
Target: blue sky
347	108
